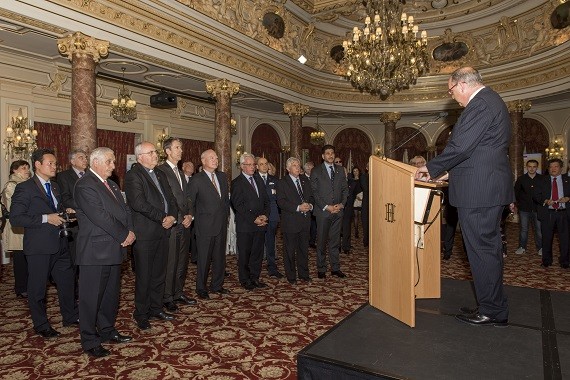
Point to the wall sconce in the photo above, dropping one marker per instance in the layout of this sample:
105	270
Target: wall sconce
555	150
286	148
20	139
159	145
233	126
378	151
239	152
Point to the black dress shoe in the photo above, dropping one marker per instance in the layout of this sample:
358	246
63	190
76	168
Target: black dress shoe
22	295
276	275
164	316
305	279
49	333
346	251
292	282
313	245
144	324
322	275
478	319
170	306
72	323
544	265
565	266
338	273
446	257
98	352
469	310
118	338
248	285
221	291
226	274
203	295
259	284
184	299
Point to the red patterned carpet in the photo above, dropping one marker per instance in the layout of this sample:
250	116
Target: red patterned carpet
244	335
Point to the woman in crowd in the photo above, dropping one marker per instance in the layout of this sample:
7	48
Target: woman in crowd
355	175
14	236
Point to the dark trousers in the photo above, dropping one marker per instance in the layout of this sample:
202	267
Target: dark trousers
296	254
313	233
250	255
150	272
482	238
20	272
211	251
348	215
176	262
270	246
99	288
328	233
448	229
557	220
40	267
193	248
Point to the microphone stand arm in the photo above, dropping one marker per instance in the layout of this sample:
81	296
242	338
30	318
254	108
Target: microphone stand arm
420	129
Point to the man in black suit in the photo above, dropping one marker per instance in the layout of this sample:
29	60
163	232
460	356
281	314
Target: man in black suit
179	241
524	191
66	181
36	206
295	198
330	190
307	169
210	207
106	231
154	212
480	185
551	195
251	206
365	212
270	183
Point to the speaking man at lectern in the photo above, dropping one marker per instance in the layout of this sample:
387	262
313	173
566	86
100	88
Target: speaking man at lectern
480	185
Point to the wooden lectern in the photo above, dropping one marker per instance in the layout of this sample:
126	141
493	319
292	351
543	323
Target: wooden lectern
399	271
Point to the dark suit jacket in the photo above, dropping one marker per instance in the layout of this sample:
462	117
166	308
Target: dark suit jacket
476	155
105	222
147	204
29	203
210	211
247	204
543	191
326	193
179	194
66	181
270	188
288	199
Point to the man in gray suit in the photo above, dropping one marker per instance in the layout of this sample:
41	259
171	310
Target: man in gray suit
179	240
480	185
330	190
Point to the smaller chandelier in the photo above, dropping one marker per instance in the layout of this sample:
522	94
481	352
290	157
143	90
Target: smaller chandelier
20	139
233	126
555	150
386	55
318	135
123	108
160	145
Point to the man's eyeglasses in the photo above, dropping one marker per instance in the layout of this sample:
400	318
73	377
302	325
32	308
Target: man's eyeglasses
338	162
450	91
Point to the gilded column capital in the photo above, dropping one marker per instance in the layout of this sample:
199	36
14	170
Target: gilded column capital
219	87
390	117
297	109
519	105
81	45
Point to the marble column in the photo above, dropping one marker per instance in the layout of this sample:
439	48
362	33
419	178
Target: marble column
390	119
84	52
296	111
222	90
516	149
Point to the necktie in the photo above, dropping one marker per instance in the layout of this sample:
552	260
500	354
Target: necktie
81	174
264	179
50	197
157	184
332	173
177	174
109	188
253	185
300	190
555	193
215	186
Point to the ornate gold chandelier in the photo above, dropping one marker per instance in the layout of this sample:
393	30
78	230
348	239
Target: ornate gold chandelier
123	108
318	135
386	55
20	139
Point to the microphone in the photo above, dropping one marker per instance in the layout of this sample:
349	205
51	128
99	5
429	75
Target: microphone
439	116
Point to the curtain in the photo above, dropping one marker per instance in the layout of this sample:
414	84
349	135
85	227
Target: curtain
265	142
352	141
192	150
122	143
56	137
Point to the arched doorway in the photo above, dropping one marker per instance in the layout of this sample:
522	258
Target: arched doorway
415	147
311	152
354	143
265	142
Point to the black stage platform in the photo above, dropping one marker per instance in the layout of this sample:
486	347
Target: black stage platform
369	344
